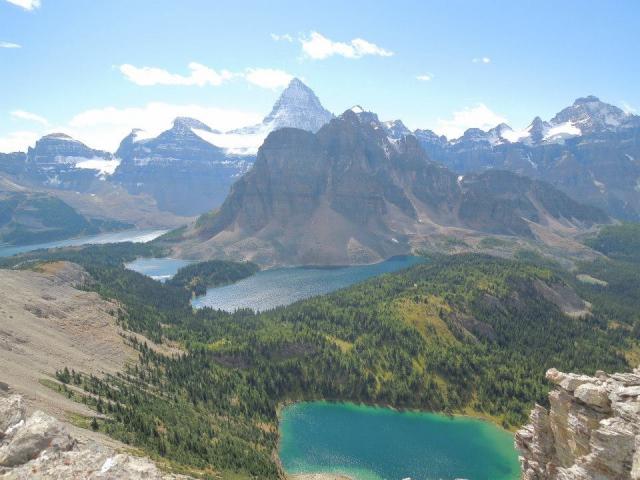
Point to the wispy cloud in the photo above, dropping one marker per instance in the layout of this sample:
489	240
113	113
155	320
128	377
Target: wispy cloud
478	116
26	4
626	108
268	77
31	117
284	37
425	77
483	60
200	76
105	127
319	47
9	45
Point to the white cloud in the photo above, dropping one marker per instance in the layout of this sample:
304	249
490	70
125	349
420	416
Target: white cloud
32	117
319	47
26	4
285	37
268	77
626	108
104	128
9	45
479	116
18	141
426	77
200	75
483	60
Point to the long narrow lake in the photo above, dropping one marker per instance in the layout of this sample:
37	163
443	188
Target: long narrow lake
368	443
134	235
268	289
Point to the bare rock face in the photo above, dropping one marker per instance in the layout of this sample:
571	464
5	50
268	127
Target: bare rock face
591	431
40	447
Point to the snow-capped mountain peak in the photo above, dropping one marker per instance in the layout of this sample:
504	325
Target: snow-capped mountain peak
297	107
396	129
185	124
590	115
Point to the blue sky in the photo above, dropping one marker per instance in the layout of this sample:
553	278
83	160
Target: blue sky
77	65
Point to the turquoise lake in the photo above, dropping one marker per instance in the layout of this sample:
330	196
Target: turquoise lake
369	443
272	288
134	235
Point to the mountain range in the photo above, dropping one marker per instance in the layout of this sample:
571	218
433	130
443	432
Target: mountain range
187	169
589	150
352	194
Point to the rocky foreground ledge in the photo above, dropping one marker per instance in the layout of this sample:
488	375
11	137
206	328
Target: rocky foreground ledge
591	431
40	447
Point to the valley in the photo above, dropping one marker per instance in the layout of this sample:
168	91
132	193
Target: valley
468	334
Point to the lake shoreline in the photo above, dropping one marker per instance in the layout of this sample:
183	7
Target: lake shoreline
320	475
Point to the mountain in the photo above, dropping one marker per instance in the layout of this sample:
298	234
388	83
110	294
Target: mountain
352	194
189	168
37	217
297	107
590	150
180	168
60	161
13	163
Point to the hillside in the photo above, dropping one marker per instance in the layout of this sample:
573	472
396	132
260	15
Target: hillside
351	194
465	333
34	218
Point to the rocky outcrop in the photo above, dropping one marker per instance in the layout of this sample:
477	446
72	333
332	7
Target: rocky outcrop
40	447
590	431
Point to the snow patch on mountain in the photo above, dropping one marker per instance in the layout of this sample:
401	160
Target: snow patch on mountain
240	144
559	133
102	165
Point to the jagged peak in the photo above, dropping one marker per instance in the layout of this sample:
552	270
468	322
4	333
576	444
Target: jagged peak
299	107
59	136
587	99
188	123
500	127
363	116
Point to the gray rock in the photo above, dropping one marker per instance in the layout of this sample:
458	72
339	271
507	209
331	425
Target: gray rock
595	425
593	395
40	432
40	448
12	411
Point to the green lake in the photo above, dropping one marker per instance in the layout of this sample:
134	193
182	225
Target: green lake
369	443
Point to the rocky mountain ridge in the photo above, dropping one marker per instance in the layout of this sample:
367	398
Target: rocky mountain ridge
590	150
591	430
352	194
